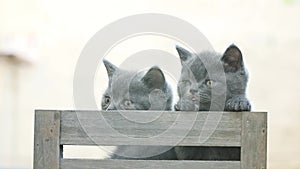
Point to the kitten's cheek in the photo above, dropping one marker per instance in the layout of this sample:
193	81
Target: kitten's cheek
104	106
111	107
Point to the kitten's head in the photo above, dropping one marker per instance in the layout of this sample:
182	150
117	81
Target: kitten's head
136	90
207	71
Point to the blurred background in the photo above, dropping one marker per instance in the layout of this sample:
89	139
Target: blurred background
41	40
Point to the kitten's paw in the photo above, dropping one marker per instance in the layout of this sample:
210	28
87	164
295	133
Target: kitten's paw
238	104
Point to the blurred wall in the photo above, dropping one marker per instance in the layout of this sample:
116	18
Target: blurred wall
266	31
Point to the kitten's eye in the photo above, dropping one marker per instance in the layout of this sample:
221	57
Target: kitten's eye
209	83
127	103
107	100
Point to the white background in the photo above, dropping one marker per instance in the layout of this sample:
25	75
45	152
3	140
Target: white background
267	32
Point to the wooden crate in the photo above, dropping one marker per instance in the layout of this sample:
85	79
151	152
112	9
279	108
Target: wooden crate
54	128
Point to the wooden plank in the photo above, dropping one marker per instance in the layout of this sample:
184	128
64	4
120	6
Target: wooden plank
104	128
146	164
46	139
254	140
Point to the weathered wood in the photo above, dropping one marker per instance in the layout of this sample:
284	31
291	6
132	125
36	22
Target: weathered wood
46	139
147	164
53	129
254	140
104	128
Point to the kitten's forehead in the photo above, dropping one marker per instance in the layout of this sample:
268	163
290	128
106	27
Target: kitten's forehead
197	69
203	63
123	79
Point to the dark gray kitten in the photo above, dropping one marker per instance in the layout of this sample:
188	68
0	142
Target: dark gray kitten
211	81
138	90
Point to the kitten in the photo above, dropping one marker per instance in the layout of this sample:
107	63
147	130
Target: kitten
205	79
138	90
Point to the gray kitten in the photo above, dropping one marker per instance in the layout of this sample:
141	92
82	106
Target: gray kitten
138	90
212	81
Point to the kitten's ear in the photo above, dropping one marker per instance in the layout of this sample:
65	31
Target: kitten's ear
232	59
154	78
183	53
110	68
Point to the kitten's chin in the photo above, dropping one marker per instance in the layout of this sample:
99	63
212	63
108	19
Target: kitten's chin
186	105
189	104
204	107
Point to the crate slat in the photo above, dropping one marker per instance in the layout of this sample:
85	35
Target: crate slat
183	128
147	164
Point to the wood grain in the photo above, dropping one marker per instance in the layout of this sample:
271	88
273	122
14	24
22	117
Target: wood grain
254	140
147	164
109	128
54	128
46	140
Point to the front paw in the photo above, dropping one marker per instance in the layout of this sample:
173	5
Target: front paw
238	104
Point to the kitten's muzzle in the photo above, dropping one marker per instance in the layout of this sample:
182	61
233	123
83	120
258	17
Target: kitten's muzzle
194	91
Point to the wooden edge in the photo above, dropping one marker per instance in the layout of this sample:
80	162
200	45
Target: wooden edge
117	111
46	139
48	151
147	164
74	132
254	140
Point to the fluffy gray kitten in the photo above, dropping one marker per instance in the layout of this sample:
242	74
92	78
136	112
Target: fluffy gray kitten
138	90
205	79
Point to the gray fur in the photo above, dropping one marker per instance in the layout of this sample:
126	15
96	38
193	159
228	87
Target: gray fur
138	90
197	83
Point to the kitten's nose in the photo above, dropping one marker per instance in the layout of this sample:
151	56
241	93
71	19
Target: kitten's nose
193	91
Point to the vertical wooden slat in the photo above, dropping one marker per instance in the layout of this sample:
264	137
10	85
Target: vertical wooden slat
254	140
46	140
